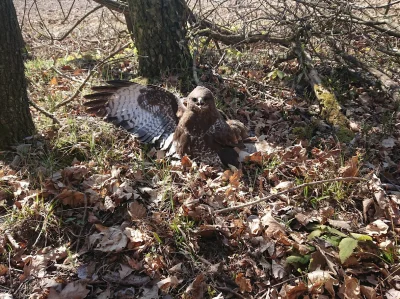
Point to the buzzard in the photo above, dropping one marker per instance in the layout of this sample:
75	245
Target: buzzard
155	115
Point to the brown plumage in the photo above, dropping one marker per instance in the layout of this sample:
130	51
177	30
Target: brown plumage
203	134
155	115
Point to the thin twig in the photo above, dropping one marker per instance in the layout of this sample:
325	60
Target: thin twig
70	99
40	233
30	22
69	11
218	47
251	203
83	225
61	7
65	75
41	19
287	280
229	291
90	75
77	23
220	61
23	17
48	114
114	5
9	269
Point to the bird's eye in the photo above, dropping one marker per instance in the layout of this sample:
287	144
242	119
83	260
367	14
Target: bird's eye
194	100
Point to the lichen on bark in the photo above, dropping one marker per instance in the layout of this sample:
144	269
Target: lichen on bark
330	111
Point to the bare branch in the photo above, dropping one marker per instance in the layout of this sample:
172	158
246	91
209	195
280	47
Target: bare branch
114	5
46	113
77	23
235	39
391	87
69	11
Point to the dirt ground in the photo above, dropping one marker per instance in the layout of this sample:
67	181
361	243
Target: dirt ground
52	11
44	21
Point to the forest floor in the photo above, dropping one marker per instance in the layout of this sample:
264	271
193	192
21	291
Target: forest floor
88	212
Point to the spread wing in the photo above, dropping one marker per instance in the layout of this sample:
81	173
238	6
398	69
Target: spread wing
148	112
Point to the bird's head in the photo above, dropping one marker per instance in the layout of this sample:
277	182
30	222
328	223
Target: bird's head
200	99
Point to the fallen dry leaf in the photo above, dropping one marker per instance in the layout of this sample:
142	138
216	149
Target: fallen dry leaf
53	81
72	198
135	236
254	224
377	228
3	269
278	270
379	192
320	278
243	283
368	292
186	162
136	210
124	271
77	72
149	292
109	239
37	264
134	264
392	294
74	174
388	142
257	157
3	243
293	292
131	280
75	290
107	294
154	262
234	179
350	288
196	289
169	282
87	271
124	293
351	168
226	175
355	127
340	224
284	185
274	229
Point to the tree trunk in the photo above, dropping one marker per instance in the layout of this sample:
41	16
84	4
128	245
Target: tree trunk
15	118
159	31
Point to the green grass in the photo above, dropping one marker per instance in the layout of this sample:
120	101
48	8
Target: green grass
38	70
35	218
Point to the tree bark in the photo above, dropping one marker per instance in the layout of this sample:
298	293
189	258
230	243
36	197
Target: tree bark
159	31
15	118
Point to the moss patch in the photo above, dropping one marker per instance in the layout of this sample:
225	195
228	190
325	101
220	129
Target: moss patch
330	110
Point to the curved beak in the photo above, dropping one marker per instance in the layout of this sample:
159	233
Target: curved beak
200	102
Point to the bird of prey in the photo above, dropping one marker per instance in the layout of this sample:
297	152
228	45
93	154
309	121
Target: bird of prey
155	115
